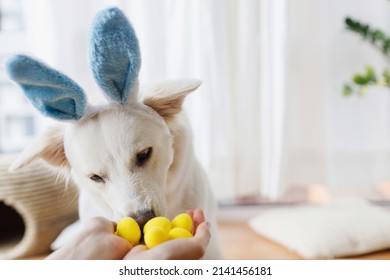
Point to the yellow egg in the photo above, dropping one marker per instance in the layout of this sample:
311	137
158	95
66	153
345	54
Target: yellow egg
179	233
182	221
128	229
161	222
155	236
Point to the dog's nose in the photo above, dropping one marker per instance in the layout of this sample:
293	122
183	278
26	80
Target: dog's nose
143	217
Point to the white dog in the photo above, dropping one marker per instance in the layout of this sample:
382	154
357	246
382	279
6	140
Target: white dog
129	157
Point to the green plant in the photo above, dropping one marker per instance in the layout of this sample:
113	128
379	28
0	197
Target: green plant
369	77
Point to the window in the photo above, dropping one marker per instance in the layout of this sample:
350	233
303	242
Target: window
17	121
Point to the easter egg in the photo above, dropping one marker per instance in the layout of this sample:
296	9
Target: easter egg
161	222
179	233
128	229
182	221
155	236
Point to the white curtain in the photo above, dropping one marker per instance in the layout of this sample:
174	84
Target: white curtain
341	142
269	114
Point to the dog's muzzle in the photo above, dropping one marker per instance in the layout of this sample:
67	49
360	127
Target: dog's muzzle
143	217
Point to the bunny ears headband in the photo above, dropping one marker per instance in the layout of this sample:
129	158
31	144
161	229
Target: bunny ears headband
115	62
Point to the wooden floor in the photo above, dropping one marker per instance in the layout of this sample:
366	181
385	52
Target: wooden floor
238	241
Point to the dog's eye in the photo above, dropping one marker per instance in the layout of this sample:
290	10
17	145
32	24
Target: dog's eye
96	178
143	156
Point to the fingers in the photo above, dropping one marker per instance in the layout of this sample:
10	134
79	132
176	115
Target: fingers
177	249
198	218
100	224
203	235
95	241
139	252
188	249
99	230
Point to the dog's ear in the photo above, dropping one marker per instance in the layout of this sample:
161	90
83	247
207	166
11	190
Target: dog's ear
48	147
167	98
51	92
115	57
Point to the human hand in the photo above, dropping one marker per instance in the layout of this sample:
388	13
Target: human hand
182	248
96	241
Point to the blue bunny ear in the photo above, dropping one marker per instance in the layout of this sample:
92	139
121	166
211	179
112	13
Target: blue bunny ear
52	93
115	57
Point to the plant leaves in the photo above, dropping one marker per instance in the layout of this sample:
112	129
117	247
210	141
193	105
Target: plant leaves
347	90
359	79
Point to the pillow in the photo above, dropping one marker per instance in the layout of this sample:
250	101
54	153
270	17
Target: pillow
340	228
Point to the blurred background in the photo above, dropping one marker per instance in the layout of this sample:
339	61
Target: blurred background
271	120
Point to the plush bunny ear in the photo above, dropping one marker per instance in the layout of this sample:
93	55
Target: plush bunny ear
52	93
115	57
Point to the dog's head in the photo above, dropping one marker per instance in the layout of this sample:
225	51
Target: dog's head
120	152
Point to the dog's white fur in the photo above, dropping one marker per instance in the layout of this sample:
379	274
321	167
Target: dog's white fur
106	143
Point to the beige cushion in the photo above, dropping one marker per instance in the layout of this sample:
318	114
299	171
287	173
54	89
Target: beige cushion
340	228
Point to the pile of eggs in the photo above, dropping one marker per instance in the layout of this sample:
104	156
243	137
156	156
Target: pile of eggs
156	231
